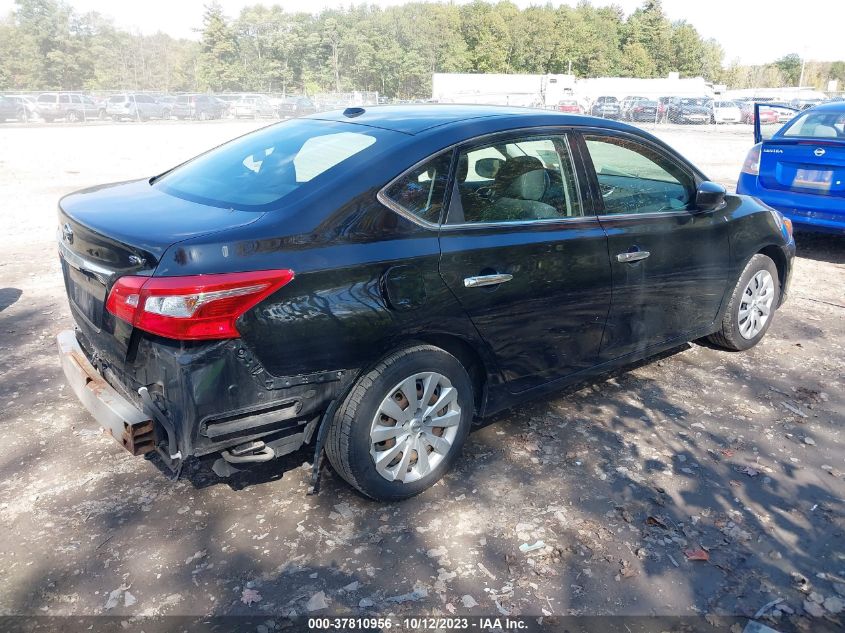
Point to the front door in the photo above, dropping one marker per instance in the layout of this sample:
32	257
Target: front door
670	263
525	258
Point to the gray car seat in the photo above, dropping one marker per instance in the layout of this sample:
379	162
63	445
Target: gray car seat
519	188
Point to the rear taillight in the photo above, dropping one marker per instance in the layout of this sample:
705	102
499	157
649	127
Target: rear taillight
192	308
751	165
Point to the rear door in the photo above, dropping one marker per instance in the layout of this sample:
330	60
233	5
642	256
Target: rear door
525	257
770	118
670	265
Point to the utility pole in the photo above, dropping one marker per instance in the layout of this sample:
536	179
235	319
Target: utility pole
803	64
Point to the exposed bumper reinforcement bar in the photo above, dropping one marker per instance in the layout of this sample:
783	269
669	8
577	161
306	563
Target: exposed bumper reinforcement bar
131	427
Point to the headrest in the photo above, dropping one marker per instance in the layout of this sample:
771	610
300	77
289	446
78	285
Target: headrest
522	177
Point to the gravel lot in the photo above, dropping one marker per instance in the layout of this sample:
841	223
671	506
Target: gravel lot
738	455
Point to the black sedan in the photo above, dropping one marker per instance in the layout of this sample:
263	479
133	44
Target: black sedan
373	280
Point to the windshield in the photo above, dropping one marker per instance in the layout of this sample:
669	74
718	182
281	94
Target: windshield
261	168
819	124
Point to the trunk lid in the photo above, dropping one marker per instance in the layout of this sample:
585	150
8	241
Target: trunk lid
124	229
805	166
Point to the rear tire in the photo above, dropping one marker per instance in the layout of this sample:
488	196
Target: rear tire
352	444
752	306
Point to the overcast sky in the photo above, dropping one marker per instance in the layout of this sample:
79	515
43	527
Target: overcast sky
754	31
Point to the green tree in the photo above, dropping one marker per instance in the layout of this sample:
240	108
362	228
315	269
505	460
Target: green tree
649	27
687	50
790	68
487	36
218	59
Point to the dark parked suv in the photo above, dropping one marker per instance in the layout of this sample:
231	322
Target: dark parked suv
371	281
607	108
690	110
295	106
197	106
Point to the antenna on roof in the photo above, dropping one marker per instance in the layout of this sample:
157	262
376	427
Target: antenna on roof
353	112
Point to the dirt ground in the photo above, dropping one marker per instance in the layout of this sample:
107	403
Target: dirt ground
738	458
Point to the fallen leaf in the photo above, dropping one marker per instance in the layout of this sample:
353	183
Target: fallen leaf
249	596
696	554
655	522
317	602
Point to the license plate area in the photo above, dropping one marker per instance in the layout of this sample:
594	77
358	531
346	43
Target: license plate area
86	293
814	178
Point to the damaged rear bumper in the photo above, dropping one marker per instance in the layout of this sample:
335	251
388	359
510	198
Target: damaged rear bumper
121	419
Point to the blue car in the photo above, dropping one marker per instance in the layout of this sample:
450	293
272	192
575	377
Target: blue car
800	170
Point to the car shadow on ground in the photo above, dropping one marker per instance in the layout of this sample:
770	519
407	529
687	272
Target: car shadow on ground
584	471
567	467
8	297
821	247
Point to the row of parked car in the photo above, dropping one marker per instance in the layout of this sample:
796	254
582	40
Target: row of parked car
74	107
683	110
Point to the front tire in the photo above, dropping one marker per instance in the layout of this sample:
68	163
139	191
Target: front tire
752	306
403	425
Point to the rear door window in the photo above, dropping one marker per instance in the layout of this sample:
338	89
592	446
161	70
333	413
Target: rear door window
515	180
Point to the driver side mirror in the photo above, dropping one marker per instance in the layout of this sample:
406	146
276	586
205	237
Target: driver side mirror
709	196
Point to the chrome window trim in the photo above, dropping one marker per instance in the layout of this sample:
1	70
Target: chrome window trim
650	214
521	223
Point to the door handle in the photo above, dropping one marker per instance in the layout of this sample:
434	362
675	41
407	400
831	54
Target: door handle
486	280
632	256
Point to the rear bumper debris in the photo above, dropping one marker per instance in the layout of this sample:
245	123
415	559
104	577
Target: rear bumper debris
121	419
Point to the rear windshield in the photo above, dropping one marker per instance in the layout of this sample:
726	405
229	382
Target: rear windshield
817	125
259	169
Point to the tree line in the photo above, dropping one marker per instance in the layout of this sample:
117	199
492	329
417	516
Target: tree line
45	44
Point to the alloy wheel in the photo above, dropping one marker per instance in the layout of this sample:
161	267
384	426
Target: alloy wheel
415	427
755	308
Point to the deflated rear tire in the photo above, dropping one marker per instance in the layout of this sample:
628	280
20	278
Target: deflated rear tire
752	306
403	424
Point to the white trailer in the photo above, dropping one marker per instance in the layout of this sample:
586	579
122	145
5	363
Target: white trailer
543	91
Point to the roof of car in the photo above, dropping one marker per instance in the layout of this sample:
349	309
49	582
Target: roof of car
414	119
830	106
